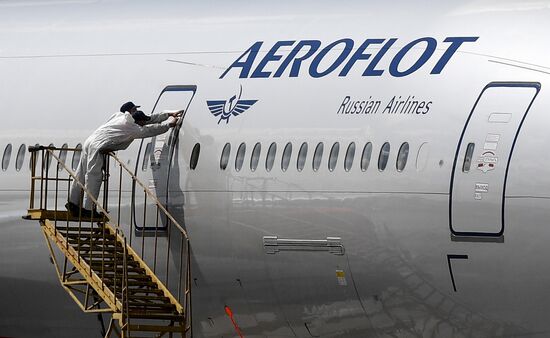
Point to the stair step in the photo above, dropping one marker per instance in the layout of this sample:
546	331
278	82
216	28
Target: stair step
95	245
94	235
133	283
129	259
159	298
95	238
156	328
153	311
136	305
75	230
119	256
147	291
134	277
119	269
150	315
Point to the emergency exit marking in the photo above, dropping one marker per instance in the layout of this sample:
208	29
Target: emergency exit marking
487	161
482	187
500	117
341	278
492	138
491	142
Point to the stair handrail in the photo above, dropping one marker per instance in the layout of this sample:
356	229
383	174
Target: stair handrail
150	194
50	150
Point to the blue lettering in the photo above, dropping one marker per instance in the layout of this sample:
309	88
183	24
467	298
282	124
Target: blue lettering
455	43
270	56
430	49
247	64
313	68
370	71
295	70
358	55
339	52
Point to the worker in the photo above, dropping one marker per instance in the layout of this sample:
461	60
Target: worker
117	134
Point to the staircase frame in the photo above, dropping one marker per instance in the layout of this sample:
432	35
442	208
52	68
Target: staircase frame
86	285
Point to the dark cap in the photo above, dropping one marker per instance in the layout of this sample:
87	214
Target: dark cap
140	116
128	106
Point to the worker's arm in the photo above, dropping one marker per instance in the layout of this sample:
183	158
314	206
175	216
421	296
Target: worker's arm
164	115
155	129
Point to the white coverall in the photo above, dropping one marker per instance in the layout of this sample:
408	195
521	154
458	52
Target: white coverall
117	134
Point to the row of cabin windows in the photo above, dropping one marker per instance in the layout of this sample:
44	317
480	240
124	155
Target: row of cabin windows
22	152
383	156
349	157
254	158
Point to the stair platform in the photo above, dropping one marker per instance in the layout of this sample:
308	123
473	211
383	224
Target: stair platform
59	215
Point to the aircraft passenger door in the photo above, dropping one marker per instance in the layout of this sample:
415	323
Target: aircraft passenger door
157	153
478	180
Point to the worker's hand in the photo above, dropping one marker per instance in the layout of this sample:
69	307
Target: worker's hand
178	113
172	121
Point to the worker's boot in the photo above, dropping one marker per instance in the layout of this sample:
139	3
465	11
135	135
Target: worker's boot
72	208
77	211
97	215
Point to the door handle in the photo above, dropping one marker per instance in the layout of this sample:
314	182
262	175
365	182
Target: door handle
274	244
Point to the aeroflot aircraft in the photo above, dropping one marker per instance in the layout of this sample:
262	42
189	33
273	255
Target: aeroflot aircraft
359	169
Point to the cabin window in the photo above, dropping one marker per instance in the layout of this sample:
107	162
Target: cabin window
239	159
365	157
224	159
146	156
468	157
383	157
422	156
350	154
317	156
49	157
20	157
402	156
333	157
270	159
285	160
255	158
302	154
76	156
195	153
6	157
62	157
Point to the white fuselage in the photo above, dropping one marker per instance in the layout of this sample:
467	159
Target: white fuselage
430	236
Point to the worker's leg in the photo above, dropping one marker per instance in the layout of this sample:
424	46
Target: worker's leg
94	177
76	193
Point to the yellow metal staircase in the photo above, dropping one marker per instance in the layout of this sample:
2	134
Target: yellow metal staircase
96	264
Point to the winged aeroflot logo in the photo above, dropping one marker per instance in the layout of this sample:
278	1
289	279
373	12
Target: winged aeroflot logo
225	109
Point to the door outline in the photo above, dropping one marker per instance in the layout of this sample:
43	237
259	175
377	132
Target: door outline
495	84
172	141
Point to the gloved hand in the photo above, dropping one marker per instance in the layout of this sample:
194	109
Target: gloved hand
172	121
178	113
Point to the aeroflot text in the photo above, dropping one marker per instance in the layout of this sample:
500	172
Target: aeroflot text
339	53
